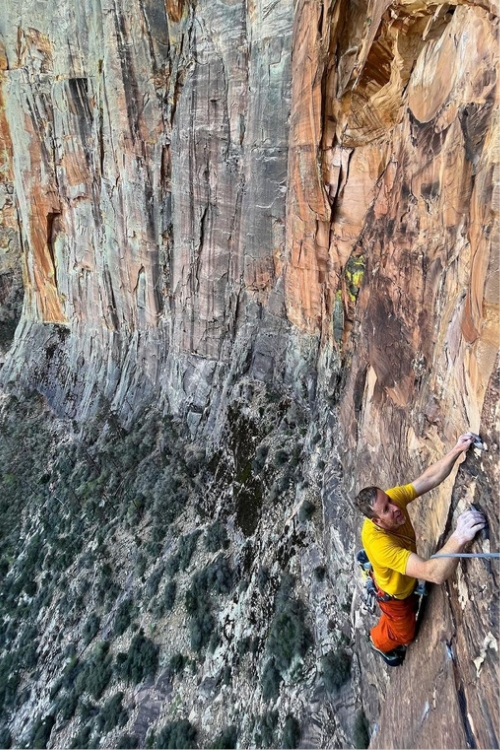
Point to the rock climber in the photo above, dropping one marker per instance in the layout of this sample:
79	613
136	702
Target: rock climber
389	541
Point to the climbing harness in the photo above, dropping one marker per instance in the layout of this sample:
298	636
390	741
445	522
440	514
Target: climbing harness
371	592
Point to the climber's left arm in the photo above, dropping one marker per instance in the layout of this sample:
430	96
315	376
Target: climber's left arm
438	472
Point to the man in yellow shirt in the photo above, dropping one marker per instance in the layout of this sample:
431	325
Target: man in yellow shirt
390	544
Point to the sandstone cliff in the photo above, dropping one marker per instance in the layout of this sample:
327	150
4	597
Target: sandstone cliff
217	205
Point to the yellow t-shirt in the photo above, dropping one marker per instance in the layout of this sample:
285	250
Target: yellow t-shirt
388	551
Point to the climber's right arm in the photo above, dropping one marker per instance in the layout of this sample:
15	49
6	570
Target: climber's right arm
437	473
440	569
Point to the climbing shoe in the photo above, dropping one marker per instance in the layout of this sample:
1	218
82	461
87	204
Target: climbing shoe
392	658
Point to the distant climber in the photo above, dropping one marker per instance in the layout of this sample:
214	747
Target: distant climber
389	541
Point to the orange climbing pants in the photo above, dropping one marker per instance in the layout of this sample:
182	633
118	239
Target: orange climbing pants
397	623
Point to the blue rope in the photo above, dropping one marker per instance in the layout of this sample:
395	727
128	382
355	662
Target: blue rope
487	555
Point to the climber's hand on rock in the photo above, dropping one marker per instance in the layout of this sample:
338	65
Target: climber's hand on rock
464	442
468	524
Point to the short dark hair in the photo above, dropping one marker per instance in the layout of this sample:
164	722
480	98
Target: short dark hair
364	501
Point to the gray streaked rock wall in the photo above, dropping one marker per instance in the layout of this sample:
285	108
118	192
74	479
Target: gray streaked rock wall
11	281
150	164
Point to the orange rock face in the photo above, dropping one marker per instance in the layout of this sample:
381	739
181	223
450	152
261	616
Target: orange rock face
175	9
401	103
409	159
11	282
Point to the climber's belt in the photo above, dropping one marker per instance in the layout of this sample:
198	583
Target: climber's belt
381	596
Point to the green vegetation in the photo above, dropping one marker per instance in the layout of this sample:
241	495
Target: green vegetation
361	733
226	675
91	628
62	503
216	578
177	663
289	636
243	645
96	672
319	573
9	679
81	677
112	714
172	565
187	548
306	511
354	273
216	537
141	660
124	616
87	710
291	732
260	457
88	512
127	742
154	581
41	731
141	564
169	594
271	680
336	668
281	458
178	735
82	739
266	729
5	738
226	739
201	626
262	579
66	704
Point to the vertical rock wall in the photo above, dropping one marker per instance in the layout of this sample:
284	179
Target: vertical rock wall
180	179
402	275
11	284
150	163
452	669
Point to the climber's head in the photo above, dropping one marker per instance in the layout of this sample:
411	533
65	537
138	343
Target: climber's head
375	504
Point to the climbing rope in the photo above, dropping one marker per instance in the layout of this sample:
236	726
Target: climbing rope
487	555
